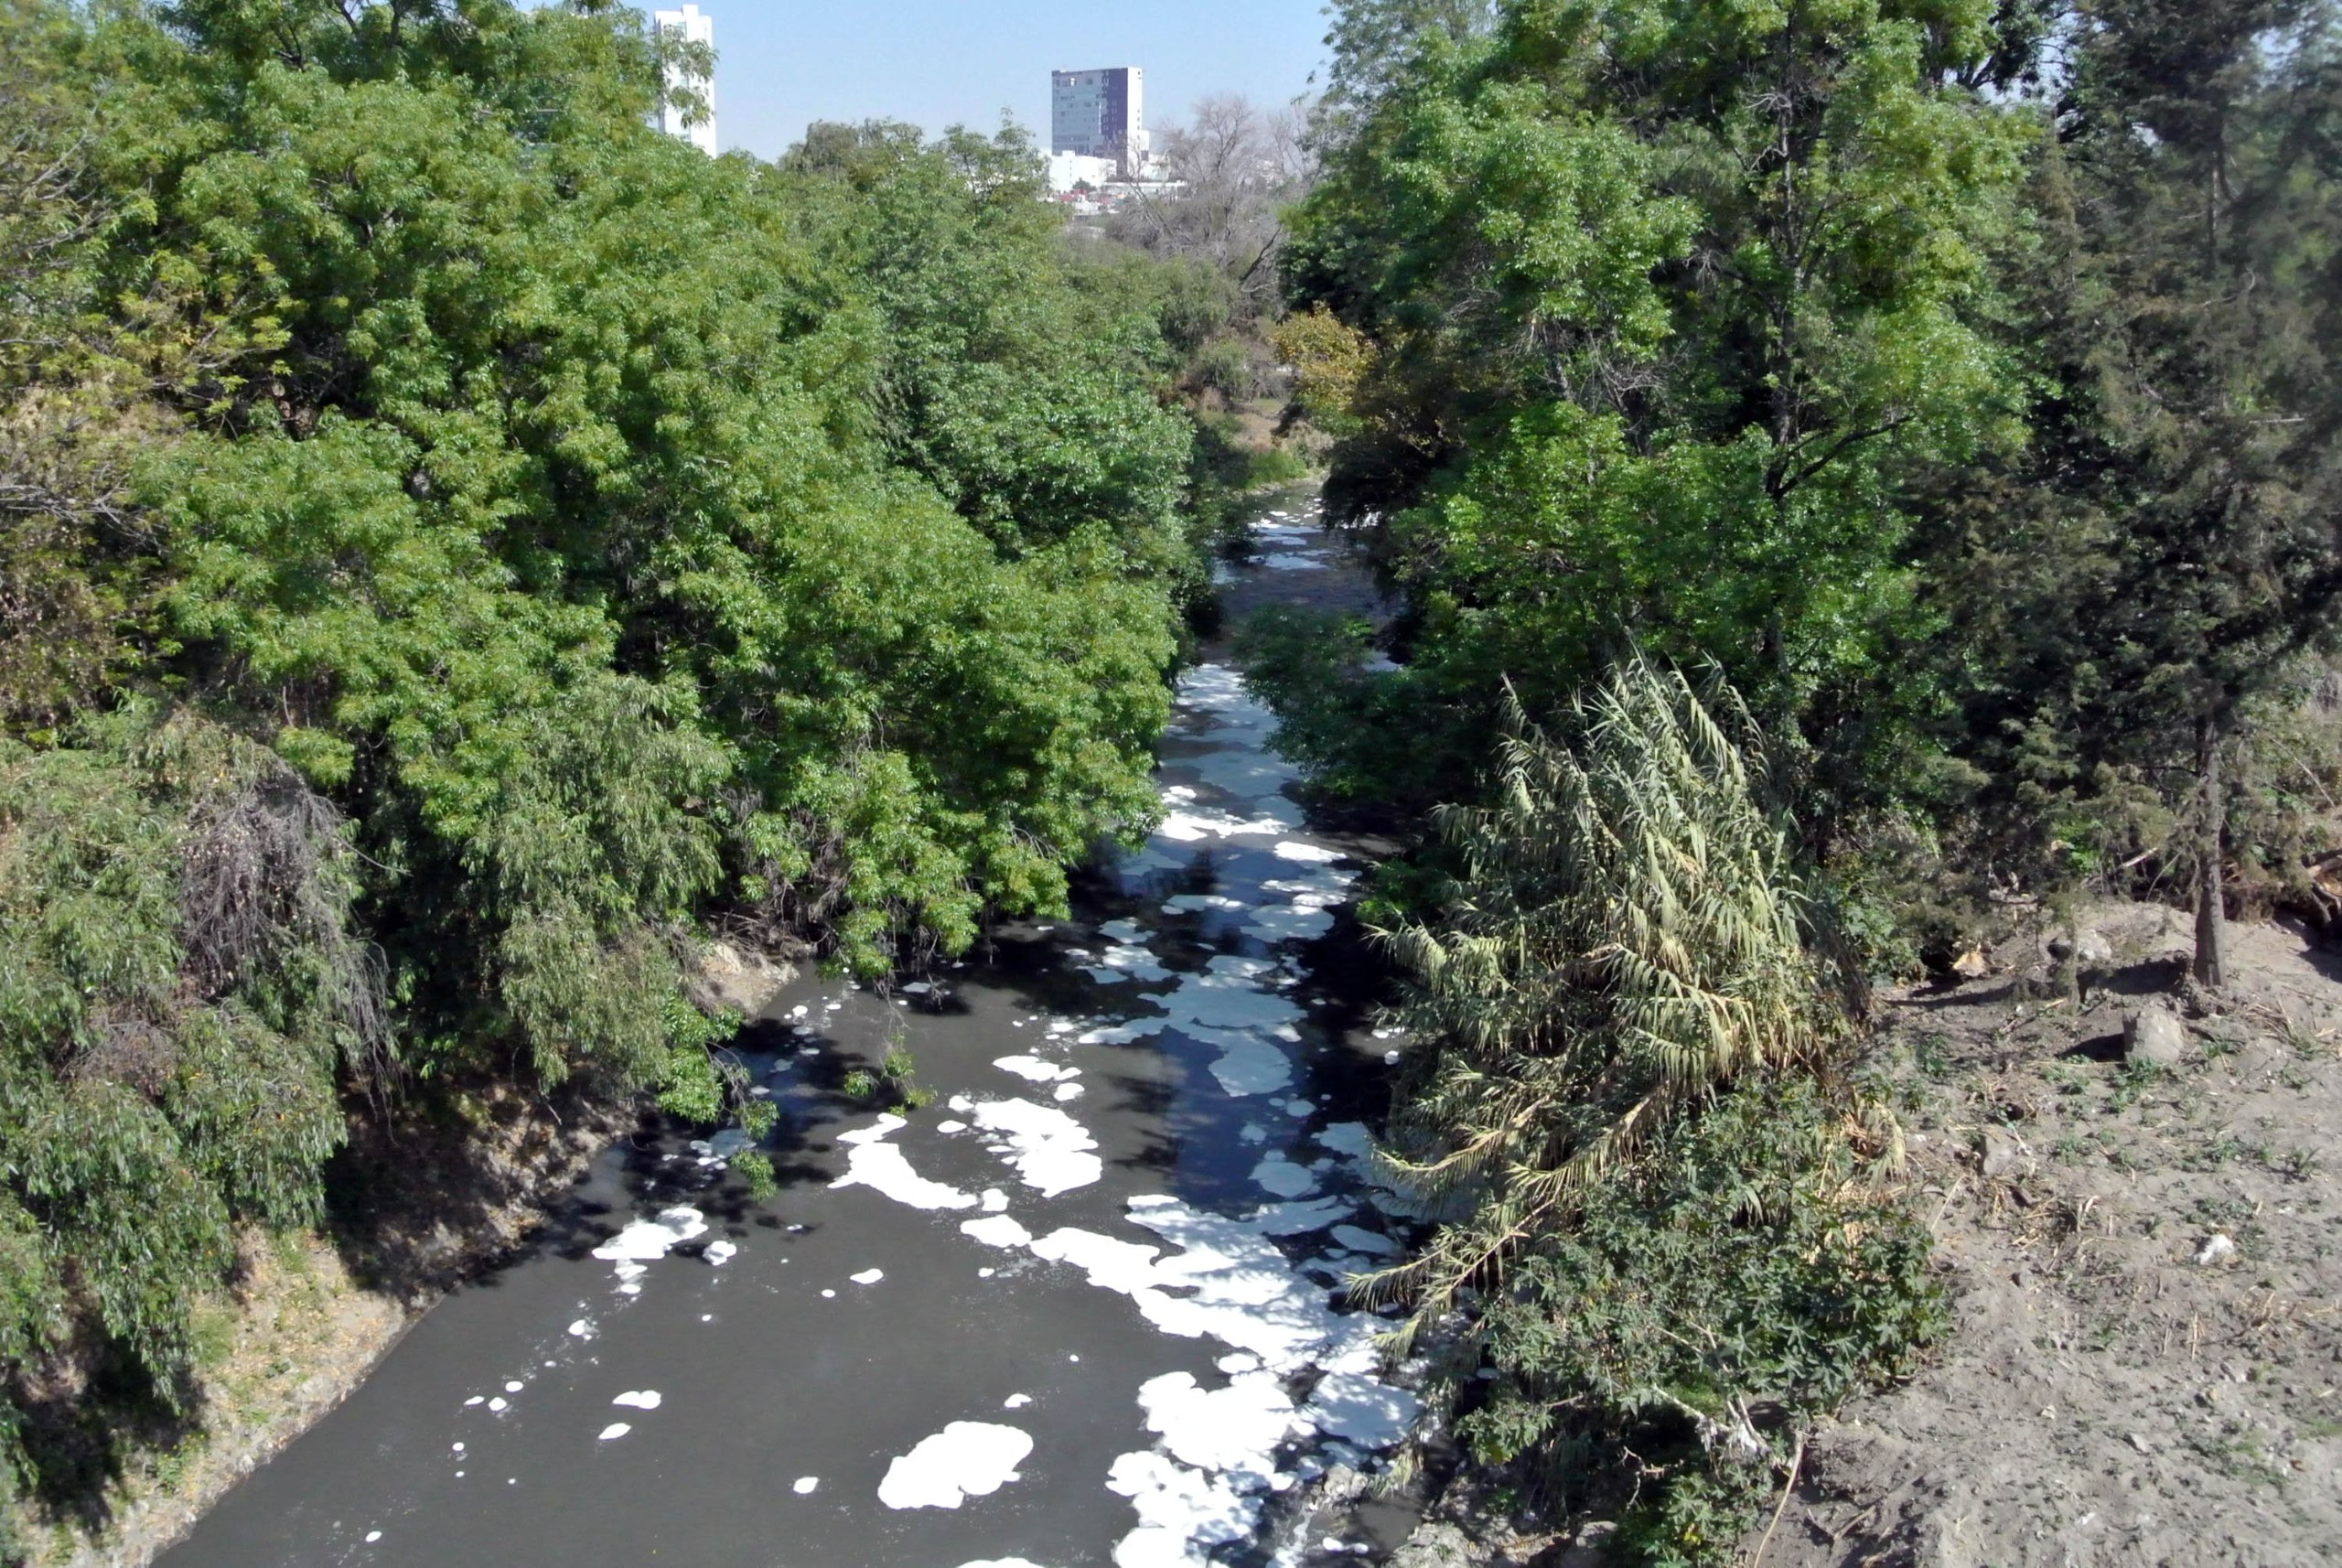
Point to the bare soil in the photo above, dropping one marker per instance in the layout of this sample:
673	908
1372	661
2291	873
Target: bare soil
2121	1386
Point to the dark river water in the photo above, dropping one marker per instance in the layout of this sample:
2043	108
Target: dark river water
1081	1310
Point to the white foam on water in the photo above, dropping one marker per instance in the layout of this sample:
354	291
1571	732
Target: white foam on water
803	1486
499	1402
615	1431
1301	1218
1016	1402
1202	903
1243	772
720	1251
1248	1066
1187	826
1235	1430
870	1162
1181	1512
1220	1000
966	1459
1065	1092
1033	1069
868	1276
1359	1408
1237	968
1280	1175
644	1240
1348	1139
998	1230
1049	1149
1122	964
1296	924
1323	889
1122	1033
1358	1241
1228	1282
639	1399
996	1200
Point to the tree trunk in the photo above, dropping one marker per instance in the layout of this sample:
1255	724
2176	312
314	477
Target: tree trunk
2211	917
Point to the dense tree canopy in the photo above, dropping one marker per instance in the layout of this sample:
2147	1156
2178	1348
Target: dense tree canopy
457	543
1662	299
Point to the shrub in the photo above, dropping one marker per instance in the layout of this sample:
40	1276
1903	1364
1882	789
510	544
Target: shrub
1664	1208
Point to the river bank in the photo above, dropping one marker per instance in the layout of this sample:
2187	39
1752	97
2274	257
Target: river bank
309	1315
2145	1270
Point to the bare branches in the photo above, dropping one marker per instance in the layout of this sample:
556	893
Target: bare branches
1234	167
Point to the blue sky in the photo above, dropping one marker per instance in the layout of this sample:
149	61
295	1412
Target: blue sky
782	63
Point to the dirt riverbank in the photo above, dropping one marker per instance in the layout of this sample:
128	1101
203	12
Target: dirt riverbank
2146	1265
309	1315
2144	1262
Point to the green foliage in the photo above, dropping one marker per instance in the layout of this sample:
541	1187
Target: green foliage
894	1083
2156	574
1620	939
455	542
179	1002
1748	1257
1661	300
1660	1210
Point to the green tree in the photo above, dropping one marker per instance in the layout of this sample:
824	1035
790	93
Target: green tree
468	544
2203	142
1664	301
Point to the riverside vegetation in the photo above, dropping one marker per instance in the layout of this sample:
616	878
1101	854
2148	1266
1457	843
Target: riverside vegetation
1946	388
1850	472
458	547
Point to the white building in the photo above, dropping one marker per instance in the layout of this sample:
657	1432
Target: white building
1100	114
1068	170
695	28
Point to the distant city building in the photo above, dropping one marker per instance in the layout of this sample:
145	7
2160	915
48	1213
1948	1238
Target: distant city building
695	28
1100	114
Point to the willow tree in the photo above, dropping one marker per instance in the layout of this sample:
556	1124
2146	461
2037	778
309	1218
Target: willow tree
1622	940
1658	1202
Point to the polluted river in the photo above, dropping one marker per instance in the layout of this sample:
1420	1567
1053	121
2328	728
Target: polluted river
1083	1307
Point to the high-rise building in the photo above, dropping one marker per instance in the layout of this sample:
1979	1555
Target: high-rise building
1100	114
694	28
